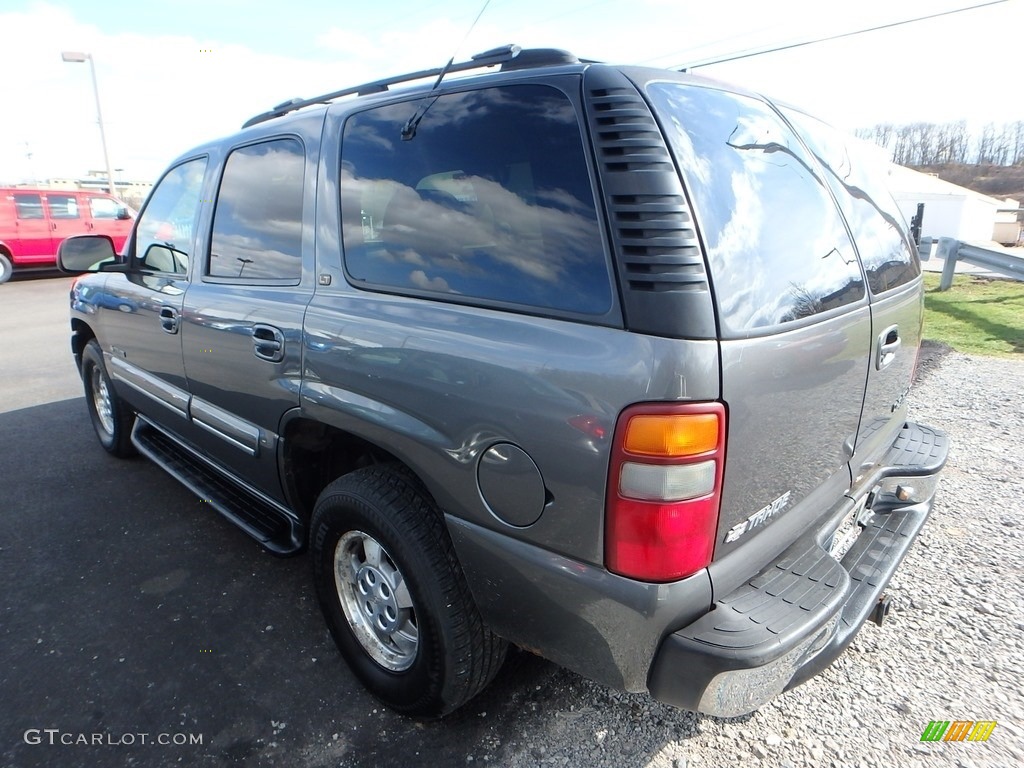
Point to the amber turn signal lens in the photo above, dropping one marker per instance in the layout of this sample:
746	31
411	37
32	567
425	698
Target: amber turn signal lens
672	435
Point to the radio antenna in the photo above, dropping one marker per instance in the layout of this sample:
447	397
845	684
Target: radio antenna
409	130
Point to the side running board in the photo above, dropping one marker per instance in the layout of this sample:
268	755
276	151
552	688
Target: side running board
271	524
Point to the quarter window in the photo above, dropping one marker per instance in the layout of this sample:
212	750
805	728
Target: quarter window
257	226
167	226
777	247
490	200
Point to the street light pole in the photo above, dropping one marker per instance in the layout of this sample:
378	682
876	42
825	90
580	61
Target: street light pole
78	57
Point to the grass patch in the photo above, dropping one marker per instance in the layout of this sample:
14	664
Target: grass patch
976	315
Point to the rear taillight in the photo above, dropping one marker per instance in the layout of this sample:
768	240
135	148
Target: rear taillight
664	489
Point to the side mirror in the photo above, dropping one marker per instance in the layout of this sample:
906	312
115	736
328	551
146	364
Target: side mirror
85	253
163	258
123	214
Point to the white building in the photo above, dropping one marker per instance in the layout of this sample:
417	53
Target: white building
954	211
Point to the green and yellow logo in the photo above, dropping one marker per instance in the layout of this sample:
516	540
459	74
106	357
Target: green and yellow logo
958	730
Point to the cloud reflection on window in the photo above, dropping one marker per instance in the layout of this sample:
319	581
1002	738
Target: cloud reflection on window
257	226
490	200
859	183
764	212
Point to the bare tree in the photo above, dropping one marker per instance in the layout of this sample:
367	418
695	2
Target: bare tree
902	146
961	141
951	143
926	135
917	144
987	145
1017	142
883	134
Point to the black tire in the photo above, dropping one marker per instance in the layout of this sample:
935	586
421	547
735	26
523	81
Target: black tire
422	650
6	268
111	417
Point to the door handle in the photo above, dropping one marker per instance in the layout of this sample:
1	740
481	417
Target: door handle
169	319
889	342
268	343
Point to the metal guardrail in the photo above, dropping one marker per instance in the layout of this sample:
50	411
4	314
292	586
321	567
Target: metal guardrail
955	250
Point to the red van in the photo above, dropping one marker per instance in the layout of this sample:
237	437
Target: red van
33	222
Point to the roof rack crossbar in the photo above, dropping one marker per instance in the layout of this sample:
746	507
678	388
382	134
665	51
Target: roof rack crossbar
489	58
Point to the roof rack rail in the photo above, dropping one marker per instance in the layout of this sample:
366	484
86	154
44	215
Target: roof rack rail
505	55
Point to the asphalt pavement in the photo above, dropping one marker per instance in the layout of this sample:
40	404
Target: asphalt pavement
139	628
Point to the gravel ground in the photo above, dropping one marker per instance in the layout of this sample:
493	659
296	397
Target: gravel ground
951	649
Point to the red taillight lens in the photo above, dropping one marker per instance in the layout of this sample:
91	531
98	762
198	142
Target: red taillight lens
664	490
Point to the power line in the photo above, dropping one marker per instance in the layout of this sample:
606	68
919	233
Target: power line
758	52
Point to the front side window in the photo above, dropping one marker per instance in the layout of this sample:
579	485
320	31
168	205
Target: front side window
777	247
166	227
257	225
63	206
103	208
28	206
490	199
875	218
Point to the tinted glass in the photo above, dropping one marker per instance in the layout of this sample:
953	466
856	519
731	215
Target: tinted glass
777	247
490	200
858	181
103	208
257	226
165	229
28	206
62	206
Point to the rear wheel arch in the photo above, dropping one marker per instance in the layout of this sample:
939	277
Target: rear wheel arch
394	594
314	454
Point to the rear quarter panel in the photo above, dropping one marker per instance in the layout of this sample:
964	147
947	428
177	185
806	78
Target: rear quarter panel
438	385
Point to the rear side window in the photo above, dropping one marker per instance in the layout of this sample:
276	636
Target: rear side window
257	225
490	200
28	206
63	206
858	182
777	247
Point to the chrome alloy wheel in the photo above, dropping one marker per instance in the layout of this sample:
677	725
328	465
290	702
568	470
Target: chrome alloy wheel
376	601
101	400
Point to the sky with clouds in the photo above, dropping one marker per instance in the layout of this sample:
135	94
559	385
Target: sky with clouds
177	73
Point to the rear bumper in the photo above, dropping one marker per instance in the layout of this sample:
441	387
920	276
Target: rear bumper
797	615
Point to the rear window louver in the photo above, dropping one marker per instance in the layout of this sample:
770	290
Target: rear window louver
659	257
628	138
659	248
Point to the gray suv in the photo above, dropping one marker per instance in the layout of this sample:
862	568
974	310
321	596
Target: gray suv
607	362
